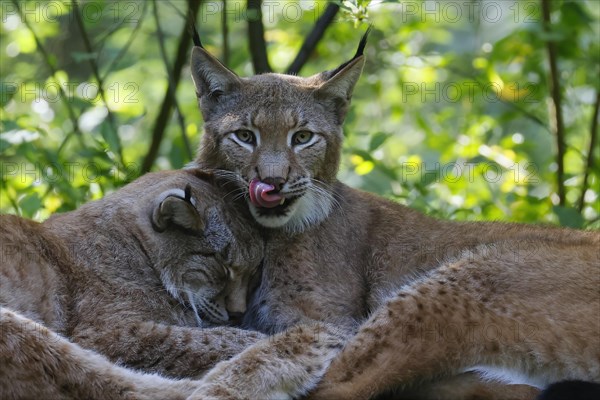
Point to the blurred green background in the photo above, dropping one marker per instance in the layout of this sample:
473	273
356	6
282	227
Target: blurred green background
454	115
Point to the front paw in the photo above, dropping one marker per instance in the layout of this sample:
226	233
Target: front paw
282	367
340	383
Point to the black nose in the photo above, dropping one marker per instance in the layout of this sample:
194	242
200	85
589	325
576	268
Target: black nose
276	182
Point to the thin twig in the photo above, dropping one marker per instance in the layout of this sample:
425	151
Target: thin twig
125	48
160	123
590	156
256	37
63	96
177	10
558	126
171	86
225	34
100	42
313	38
507	103
96	72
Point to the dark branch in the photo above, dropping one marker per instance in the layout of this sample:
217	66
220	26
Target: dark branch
313	38
590	155
160	123
559	126
256	37
225	34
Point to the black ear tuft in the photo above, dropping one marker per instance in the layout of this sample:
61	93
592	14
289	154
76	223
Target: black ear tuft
359	52
194	33
188	193
363	42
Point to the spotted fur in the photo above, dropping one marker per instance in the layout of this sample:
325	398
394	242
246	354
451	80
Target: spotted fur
109	301
345	257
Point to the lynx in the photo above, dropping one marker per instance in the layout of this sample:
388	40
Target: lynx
419	299
111	300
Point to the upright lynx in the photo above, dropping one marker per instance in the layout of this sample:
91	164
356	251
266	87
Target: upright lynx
420	299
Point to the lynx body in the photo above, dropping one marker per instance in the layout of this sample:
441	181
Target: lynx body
91	298
405	283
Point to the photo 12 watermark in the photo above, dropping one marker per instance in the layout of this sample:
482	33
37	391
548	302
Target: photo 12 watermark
52	173
51	92
121	12
470	91
441	11
453	172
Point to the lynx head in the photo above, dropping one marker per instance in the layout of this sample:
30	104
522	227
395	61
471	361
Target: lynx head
278	136
204	252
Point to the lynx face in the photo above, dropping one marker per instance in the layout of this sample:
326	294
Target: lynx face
201	262
277	136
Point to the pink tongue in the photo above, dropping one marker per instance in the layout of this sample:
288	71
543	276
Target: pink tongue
260	194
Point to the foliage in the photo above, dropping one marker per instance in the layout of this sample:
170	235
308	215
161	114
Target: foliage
453	114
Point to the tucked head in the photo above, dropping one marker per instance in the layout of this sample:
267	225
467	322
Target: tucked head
203	251
279	136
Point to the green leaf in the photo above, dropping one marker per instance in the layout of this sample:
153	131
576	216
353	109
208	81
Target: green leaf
111	138
7	91
80	56
377	140
364	154
568	216
30	204
4	145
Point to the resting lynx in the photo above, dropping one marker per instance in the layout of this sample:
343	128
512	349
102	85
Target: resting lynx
132	277
429	298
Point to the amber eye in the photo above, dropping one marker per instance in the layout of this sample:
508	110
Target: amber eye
246	136
302	137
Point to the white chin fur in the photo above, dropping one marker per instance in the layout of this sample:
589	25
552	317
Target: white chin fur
308	210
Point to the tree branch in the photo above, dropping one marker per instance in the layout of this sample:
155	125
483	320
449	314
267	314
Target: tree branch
160	123
559	125
590	156
225	34
256	37
313	38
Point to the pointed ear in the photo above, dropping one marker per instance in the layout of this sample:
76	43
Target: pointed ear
211	78
175	208
339	85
